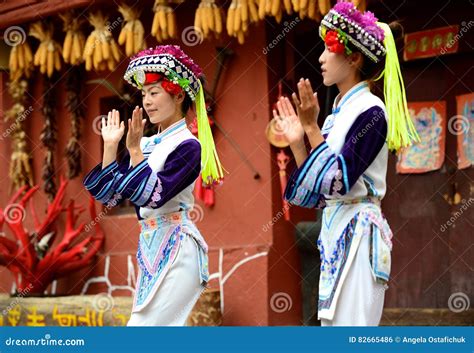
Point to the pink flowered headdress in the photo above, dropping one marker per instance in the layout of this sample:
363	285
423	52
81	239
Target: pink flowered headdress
168	60
345	24
178	69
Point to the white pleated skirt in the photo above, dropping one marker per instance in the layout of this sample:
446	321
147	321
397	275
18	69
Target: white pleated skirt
361	300
177	294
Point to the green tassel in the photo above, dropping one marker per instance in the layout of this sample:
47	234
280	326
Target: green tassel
211	166
401	131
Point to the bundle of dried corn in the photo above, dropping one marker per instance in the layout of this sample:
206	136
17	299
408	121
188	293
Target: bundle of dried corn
20	172
240	14
21	61
100	51
74	41
48	54
311	8
208	18
274	8
164	22
132	34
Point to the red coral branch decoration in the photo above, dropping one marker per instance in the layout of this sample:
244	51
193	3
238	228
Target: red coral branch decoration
30	255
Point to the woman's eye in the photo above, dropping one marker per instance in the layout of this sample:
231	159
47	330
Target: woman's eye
154	93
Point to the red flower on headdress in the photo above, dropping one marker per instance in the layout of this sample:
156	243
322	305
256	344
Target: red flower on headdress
332	42
152	77
170	87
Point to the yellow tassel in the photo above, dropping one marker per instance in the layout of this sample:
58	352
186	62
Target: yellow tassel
401	131
211	166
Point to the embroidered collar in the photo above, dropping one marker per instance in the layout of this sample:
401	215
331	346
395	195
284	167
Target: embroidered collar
169	131
361	86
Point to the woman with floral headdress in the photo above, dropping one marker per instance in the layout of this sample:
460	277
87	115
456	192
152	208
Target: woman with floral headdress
158	176
345	171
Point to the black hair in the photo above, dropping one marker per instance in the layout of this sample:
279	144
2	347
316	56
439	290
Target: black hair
186	105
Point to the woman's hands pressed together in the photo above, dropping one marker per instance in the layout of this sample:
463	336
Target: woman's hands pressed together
112	132
307	107
305	120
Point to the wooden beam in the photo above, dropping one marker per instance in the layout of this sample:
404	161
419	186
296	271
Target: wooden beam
426	317
26	11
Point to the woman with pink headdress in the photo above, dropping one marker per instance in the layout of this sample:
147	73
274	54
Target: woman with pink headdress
345	171
158	176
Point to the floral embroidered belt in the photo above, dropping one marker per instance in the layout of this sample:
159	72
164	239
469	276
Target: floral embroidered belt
369	199
166	219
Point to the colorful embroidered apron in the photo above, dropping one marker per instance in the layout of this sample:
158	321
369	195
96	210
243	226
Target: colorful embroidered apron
158	246
344	223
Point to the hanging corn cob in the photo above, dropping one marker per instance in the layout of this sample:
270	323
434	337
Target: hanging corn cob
21	61
274	8
240	14
164	22
74	41
208	18
324	6
308	8
20	172
101	52
132	33
48	54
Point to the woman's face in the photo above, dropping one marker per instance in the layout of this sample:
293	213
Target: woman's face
335	67
159	104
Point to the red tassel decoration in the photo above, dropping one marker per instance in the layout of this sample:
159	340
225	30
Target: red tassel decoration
283	160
